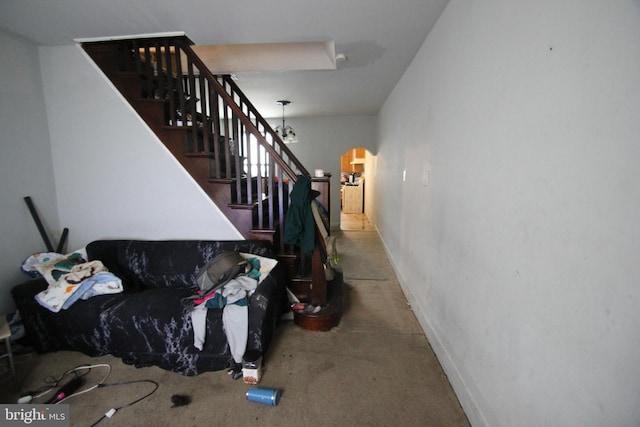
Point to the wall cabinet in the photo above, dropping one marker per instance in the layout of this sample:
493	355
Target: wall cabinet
353	160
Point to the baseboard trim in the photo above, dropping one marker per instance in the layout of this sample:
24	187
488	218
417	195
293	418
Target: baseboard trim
465	396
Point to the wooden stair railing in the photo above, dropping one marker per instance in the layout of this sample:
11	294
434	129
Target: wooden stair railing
217	134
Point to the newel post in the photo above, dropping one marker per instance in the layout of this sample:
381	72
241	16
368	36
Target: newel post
323	185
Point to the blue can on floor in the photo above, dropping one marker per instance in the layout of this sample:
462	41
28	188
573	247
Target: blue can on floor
264	395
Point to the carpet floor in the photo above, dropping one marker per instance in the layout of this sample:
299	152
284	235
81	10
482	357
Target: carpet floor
376	368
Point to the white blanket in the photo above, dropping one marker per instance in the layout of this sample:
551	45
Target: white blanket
82	282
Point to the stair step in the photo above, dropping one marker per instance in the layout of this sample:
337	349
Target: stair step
301	288
290	261
175	128
200	154
266	231
329	315
129	84
133	75
220	180
151	110
242	206
151	101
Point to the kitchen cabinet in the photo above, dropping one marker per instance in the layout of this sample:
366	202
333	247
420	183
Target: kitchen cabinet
353	198
353	160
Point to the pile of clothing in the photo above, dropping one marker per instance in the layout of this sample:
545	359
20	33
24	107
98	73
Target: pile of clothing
70	278
233	299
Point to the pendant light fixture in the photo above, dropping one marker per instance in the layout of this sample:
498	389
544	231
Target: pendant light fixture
287	133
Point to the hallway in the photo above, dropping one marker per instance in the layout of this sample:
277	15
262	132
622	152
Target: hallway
355	222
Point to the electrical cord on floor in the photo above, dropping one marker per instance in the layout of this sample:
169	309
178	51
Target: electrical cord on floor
53	383
79	372
88	369
112	411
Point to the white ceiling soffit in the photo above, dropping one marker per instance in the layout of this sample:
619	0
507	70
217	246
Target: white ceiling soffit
294	56
133	36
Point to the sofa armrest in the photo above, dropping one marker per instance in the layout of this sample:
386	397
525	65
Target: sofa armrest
24	298
267	304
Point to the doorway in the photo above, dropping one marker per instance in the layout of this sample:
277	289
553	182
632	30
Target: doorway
352	190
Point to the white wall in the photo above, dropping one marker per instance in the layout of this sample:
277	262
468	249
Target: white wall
517	232
371	169
114	178
323	141
25	163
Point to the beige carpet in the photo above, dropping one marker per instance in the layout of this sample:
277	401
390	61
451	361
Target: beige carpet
375	369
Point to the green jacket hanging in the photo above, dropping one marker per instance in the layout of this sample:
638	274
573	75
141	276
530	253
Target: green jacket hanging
299	224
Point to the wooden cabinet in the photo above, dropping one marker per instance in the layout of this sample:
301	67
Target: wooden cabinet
353	198
353	160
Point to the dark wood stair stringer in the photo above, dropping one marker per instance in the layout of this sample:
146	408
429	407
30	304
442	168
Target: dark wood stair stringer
198	165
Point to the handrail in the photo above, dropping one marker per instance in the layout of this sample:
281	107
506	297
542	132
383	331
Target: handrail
228	100
275	137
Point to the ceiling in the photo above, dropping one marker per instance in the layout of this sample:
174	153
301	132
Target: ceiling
378	37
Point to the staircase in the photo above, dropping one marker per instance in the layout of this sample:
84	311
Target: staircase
230	150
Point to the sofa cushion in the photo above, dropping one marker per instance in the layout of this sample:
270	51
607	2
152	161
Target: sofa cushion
160	265
153	328
107	252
